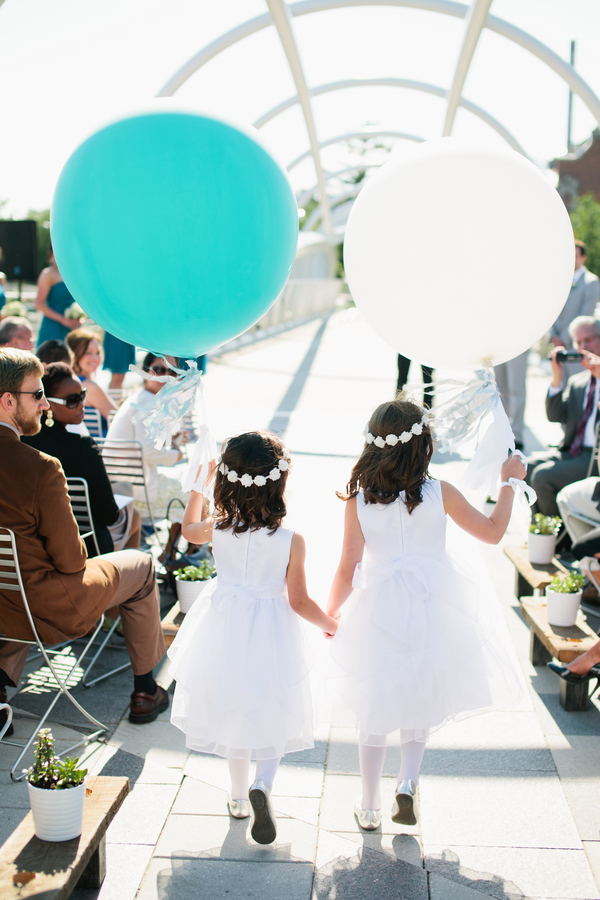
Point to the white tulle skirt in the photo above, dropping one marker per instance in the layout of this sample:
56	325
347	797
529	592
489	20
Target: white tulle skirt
242	664
418	644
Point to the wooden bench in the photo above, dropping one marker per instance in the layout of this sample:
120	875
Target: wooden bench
171	624
565	644
532	579
33	868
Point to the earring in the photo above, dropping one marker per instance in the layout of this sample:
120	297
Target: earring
49	418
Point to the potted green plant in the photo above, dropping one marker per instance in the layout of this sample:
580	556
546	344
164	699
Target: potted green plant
56	792
489	506
191	581
542	538
563	598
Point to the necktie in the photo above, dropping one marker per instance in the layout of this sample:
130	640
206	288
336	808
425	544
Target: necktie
577	445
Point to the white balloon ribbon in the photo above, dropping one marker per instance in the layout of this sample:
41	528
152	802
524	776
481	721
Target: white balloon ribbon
524	492
181	395
459	418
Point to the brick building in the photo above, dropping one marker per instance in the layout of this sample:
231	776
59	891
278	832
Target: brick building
579	171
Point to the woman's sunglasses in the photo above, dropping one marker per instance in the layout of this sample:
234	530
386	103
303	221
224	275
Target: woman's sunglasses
71	401
160	370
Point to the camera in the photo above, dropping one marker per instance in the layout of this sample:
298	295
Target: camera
568	356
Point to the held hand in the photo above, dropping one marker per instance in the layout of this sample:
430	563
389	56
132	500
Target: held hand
512	468
592	362
334	620
557	369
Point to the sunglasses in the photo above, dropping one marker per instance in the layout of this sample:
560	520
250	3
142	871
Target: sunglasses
71	401
38	395
160	370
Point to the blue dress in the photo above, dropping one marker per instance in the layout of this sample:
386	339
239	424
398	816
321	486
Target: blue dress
118	355
59	298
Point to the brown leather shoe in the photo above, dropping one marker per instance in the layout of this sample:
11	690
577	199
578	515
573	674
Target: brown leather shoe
146	707
4	716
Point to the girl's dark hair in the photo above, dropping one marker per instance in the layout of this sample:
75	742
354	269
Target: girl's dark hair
148	360
381	473
250	508
54	374
52	351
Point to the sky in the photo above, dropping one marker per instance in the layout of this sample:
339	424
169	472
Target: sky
68	66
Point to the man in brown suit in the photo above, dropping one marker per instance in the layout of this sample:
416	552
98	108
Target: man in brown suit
67	593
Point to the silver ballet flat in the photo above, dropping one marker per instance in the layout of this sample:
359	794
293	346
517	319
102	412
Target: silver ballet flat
405	808
368	819
264	824
239	809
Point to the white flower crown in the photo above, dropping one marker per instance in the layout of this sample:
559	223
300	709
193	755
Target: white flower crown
392	439
247	480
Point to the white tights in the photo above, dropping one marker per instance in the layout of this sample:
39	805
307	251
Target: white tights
239	772
372	759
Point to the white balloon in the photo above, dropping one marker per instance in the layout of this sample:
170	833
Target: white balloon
457	255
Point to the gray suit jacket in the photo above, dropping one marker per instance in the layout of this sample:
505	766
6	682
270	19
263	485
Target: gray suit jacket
581	301
567	406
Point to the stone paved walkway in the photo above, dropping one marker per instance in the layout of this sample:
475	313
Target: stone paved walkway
509	800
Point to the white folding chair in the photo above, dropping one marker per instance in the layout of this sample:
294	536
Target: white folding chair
80	504
93	421
119	394
11	580
124	461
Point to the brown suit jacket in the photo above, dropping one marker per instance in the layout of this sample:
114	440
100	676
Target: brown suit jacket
66	591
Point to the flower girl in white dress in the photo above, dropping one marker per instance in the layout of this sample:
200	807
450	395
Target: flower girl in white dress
240	659
418	640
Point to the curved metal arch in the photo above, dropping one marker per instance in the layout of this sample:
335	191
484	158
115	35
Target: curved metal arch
474	24
376	132
282	20
445	7
400	83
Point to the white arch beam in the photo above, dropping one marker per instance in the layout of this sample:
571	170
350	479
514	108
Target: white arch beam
445	7
474	23
282	21
399	83
374	132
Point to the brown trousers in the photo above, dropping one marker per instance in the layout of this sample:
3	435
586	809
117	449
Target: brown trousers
139	605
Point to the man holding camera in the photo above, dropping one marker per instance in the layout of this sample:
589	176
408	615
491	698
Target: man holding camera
575	406
582	300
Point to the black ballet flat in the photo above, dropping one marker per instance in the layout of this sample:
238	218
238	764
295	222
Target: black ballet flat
572	677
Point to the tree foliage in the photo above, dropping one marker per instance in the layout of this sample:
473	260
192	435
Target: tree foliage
585	219
42	219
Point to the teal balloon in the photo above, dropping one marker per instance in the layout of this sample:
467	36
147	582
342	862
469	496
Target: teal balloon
174	230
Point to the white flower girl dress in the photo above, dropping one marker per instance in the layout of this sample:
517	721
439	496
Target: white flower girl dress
240	658
418	641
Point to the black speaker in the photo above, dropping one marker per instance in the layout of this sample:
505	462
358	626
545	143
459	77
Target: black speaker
18	240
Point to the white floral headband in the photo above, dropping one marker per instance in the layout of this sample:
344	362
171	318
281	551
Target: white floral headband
392	439
247	480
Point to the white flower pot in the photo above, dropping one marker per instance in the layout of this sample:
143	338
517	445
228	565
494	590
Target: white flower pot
188	592
541	548
57	815
562	608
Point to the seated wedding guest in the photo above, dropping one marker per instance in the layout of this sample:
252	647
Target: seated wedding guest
80	457
582	498
67	592
16	332
87	351
161	488
574	405
54	351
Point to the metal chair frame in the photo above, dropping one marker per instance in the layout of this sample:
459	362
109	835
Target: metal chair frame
11	580
124	461
92	419
80	504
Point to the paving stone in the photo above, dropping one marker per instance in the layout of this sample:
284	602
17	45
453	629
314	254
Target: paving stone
401	846
196	798
304	808
495	730
224	837
370	874
441	888
183	879
125	867
15	795
496	812
486	761
337	806
142	816
10	819
515	872
343	754
162	743
583	797
592	851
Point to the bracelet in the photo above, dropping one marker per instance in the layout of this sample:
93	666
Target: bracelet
527	495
